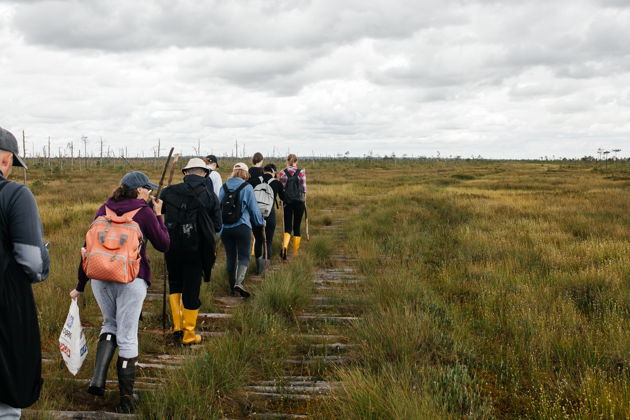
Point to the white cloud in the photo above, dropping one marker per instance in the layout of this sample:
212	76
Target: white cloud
464	77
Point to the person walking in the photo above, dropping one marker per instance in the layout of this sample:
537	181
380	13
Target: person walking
193	216
268	177
213	164
23	260
293	180
239	212
121	303
256	169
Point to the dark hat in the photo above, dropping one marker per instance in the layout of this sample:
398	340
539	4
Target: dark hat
9	143
137	179
212	159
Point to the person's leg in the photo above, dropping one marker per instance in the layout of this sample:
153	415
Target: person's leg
130	298
190	297
258	241
243	236
298	212
105	295
229	244
259	247
288	228
129	306
9	413
270	229
174	267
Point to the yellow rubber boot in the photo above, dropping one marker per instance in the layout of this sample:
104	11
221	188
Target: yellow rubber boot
296	244
175	300
190	320
285	245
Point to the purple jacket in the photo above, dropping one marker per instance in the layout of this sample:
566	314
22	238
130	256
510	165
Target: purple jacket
152	228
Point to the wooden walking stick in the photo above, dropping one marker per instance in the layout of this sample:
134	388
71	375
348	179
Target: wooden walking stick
168	160
161	184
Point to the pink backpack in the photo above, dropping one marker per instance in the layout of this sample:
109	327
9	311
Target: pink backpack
112	248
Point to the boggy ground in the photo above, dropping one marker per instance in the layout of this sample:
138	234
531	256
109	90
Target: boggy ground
429	290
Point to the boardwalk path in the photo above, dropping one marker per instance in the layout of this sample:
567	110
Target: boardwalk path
319	344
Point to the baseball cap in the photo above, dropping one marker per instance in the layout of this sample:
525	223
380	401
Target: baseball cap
212	159
9	143
240	165
137	179
195	163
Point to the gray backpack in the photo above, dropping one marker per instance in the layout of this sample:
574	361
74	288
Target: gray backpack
264	197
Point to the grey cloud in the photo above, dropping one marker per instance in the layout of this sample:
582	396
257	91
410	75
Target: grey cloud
121	25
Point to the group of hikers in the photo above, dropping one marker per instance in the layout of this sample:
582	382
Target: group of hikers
182	223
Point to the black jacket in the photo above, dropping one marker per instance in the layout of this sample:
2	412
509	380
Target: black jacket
23	260
212	206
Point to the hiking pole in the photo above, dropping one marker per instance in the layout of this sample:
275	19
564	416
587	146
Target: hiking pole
308	238
170	179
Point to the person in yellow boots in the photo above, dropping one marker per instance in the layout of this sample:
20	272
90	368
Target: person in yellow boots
293	180
193	216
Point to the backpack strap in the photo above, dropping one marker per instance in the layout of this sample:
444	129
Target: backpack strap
262	180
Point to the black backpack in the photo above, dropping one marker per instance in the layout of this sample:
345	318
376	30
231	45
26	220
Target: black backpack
293	190
231	204
187	220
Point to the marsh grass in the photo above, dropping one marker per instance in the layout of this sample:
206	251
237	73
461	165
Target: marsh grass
493	290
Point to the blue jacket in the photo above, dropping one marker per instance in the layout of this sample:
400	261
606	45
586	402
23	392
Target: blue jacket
249	205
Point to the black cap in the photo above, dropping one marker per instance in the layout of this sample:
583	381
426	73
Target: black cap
9	143
212	159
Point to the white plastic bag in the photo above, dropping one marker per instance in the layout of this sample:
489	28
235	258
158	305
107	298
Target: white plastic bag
72	342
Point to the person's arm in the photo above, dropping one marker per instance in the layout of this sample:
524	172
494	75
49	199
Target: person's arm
252	206
217	182
303	179
155	230
215	213
27	235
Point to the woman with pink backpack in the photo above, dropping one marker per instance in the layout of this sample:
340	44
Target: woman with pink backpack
114	258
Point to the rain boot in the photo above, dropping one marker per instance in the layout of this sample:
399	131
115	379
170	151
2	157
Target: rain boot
126	378
232	280
104	353
285	245
240	277
190	321
296	244
176	310
260	266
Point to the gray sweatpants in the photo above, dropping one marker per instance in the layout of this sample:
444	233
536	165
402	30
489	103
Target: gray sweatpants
9	413
121	305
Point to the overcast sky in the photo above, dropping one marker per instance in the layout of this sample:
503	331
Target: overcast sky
503	79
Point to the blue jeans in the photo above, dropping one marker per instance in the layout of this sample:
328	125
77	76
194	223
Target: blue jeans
237	244
121	305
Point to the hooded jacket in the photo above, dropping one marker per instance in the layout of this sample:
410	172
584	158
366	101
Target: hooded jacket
152	227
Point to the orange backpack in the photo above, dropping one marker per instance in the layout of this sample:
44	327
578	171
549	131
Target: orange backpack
112	248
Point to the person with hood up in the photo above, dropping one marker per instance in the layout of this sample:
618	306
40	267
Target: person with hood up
121	303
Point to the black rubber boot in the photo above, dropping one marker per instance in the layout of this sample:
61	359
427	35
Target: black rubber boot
104	353
232	280
260	266
126	378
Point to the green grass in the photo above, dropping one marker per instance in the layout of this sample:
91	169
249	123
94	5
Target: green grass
493	290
